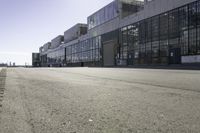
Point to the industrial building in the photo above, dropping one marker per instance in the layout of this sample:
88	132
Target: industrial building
35	60
128	33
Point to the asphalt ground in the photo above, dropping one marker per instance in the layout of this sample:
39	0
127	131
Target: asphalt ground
100	100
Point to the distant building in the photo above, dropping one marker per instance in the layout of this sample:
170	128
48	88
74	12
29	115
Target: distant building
36	60
131	32
3	65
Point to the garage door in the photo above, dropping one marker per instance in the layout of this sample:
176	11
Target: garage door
108	54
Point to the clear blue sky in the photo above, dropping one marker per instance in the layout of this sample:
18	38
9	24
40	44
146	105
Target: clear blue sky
25	25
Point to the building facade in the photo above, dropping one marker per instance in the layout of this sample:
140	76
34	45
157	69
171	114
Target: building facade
131	32
35	60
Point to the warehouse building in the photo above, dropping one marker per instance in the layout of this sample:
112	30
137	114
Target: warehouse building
131	32
35	60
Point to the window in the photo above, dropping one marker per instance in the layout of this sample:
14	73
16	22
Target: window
148	52
192	15
136	53
142	51
102	16
183	18
148	49
173	29
135	34
155	37
198	40
124	38
192	41
155	28
164	26
198	13
142	32
155	49
148	30
142	38
131	39
192	11
163	48
125	52
124	43
184	42
136	41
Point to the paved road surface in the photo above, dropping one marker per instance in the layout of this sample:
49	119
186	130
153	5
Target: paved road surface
96	100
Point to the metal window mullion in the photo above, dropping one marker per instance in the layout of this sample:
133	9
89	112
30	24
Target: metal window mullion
188	30
196	28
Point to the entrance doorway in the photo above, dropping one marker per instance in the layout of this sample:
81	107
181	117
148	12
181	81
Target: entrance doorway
175	56
109	53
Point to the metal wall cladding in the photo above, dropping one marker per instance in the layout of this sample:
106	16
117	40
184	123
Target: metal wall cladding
46	46
57	41
75	32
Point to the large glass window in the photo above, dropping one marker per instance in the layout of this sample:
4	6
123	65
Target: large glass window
198	13
183	18
148	30
142	38
163	48
163	35
198	40
192	41
135	34
142	32
124	43
136	41
192	14
164	26
155	28
105	14
148	51
124	38
173	29
149	34
155	37
131	39
192	10
155	49
184	42
137	51
142	50
85	51
183	28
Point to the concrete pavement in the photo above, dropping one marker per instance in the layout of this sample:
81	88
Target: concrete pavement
100	100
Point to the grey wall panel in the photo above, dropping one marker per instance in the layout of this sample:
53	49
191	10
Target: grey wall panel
108	54
154	8
74	32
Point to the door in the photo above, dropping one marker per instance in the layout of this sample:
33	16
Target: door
175	56
130	58
109	53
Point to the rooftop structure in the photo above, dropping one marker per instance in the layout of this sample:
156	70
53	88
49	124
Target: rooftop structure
75	32
117	8
56	42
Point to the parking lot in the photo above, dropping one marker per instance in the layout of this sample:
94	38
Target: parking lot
100	100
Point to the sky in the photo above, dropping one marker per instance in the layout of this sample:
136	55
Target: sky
25	25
